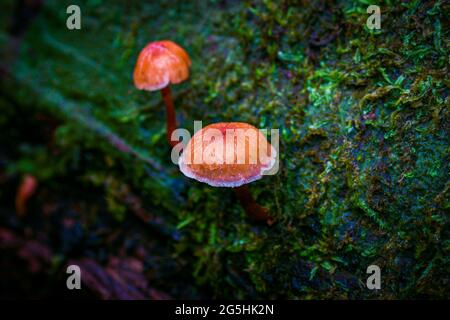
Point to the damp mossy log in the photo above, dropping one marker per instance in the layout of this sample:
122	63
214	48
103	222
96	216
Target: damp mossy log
364	136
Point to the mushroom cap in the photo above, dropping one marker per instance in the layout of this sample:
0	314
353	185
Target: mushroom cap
234	154
159	64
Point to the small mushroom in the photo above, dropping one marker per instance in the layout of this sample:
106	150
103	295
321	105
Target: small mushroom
25	191
230	154
159	65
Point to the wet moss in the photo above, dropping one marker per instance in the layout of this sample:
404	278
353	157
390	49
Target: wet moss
363	117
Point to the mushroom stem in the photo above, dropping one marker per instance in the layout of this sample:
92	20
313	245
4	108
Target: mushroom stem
170	113
254	210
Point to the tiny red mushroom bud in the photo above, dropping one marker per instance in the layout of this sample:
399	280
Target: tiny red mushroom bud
159	65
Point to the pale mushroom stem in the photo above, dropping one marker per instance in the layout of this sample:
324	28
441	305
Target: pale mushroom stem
170	114
250	206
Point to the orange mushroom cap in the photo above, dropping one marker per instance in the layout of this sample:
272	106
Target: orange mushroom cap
159	64
227	154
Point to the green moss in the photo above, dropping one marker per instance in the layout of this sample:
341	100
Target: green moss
364	136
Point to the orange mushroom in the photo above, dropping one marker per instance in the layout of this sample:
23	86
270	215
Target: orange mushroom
26	189
159	65
230	154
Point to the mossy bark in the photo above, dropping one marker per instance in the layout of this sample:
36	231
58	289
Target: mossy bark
363	118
